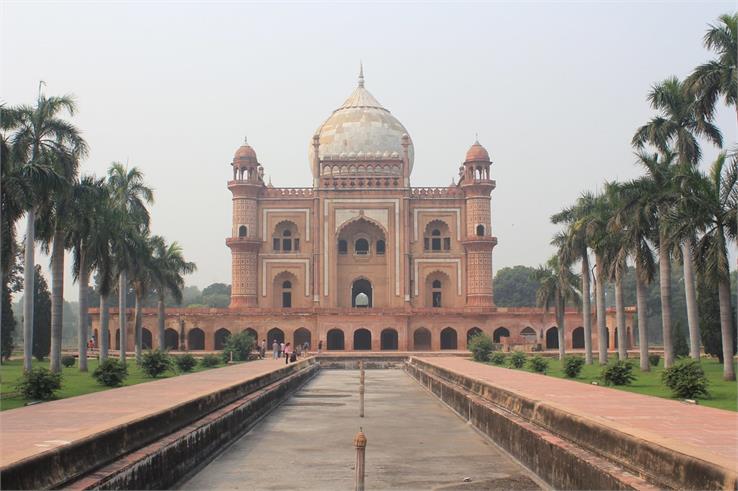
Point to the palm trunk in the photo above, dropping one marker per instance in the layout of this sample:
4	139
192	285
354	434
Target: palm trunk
29	266
691	297
586	310
600	304
620	317
560	311
726	328
665	288
104	332
137	324
642	321
160	306
57	300
83	334
122	290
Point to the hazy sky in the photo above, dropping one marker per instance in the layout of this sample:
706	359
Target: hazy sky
554	90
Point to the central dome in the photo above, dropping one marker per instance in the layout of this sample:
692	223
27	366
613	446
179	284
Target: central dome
361	130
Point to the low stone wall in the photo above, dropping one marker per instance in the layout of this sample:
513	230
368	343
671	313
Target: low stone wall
568	451
68	463
398	359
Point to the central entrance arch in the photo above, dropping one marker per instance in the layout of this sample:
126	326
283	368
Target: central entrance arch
361	293
362	339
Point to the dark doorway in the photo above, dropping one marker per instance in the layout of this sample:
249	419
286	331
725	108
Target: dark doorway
577	338
388	339
361	293
499	333
117	339
335	340
275	334
171	339
196	339
254	335
221	337
449	339
362	339
146	341
471	333
302	336
552	338
422	339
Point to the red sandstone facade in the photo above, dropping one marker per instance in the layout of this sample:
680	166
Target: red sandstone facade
361	260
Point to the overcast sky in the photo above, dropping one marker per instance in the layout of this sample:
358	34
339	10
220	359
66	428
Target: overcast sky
554	90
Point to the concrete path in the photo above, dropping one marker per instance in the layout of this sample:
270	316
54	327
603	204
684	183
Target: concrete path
414	442
32	430
704	432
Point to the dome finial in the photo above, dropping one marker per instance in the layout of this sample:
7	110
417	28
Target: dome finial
361	74
245	141
476	138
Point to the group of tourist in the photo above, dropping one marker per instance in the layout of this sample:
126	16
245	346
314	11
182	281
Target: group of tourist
286	350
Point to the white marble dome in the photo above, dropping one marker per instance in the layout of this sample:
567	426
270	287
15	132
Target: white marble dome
361	129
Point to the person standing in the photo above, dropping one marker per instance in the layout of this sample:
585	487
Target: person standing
275	350
320	346
263	348
281	348
306	348
287	352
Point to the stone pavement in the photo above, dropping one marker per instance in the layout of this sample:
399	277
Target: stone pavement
414	442
704	432
32	430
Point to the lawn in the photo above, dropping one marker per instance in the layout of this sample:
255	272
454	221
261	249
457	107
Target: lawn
74	382
723	395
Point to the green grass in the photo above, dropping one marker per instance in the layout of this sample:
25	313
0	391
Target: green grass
723	395
74	382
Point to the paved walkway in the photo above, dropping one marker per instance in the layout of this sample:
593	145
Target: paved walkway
413	442
32	430
707	433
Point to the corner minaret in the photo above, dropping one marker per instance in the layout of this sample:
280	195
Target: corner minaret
479	242
246	186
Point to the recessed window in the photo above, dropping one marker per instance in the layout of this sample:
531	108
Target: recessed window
361	247
436	240
286	238
380	247
276	244
437	237
243	231
342	247
480	230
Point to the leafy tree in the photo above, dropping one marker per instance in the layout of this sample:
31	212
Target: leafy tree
709	308
557	287
42	317
239	346
480	346
217	295
515	287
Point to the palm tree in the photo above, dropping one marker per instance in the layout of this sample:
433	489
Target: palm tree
678	126
635	225
43	138
557	287
576	245
718	77
594	221
85	236
170	266
141	271
107	232
130	195
715	211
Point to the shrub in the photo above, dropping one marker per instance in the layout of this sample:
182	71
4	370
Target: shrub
155	362
39	384
618	372
654	359
497	358
210	361
111	373
185	363
573	366
686	379
481	346
538	364
517	359
240	345
68	361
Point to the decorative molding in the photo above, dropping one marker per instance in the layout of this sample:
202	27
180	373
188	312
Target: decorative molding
305	262
265	211
416	212
456	261
344	215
